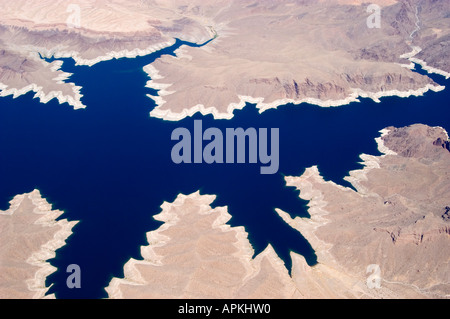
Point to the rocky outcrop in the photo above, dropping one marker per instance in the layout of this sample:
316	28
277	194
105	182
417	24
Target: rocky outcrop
30	234
418	141
195	254
446	215
394	221
440	142
296	60
388	239
28	30
273	53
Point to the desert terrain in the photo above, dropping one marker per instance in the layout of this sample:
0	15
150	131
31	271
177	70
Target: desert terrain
29	236
264	52
395	221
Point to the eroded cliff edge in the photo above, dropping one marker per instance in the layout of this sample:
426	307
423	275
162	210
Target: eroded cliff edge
396	222
265	52
29	235
397	219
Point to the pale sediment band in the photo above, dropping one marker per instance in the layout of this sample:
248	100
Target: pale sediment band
60	53
36	242
169	115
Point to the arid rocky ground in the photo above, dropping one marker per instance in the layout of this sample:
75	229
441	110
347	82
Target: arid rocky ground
269	53
397	220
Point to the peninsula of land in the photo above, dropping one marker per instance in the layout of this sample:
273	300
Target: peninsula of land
29	236
396	222
264	52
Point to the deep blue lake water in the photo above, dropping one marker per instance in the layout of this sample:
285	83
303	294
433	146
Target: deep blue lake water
109	165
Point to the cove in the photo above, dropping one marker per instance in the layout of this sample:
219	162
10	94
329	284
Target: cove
109	165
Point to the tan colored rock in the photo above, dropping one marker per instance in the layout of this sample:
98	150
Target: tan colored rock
395	220
394	228
194	254
273	53
29	236
266	52
107	29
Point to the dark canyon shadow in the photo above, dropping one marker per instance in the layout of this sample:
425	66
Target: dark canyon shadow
109	165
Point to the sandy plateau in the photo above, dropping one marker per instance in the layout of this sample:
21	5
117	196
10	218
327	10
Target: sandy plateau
273	53
29	236
195	254
398	219
264	52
